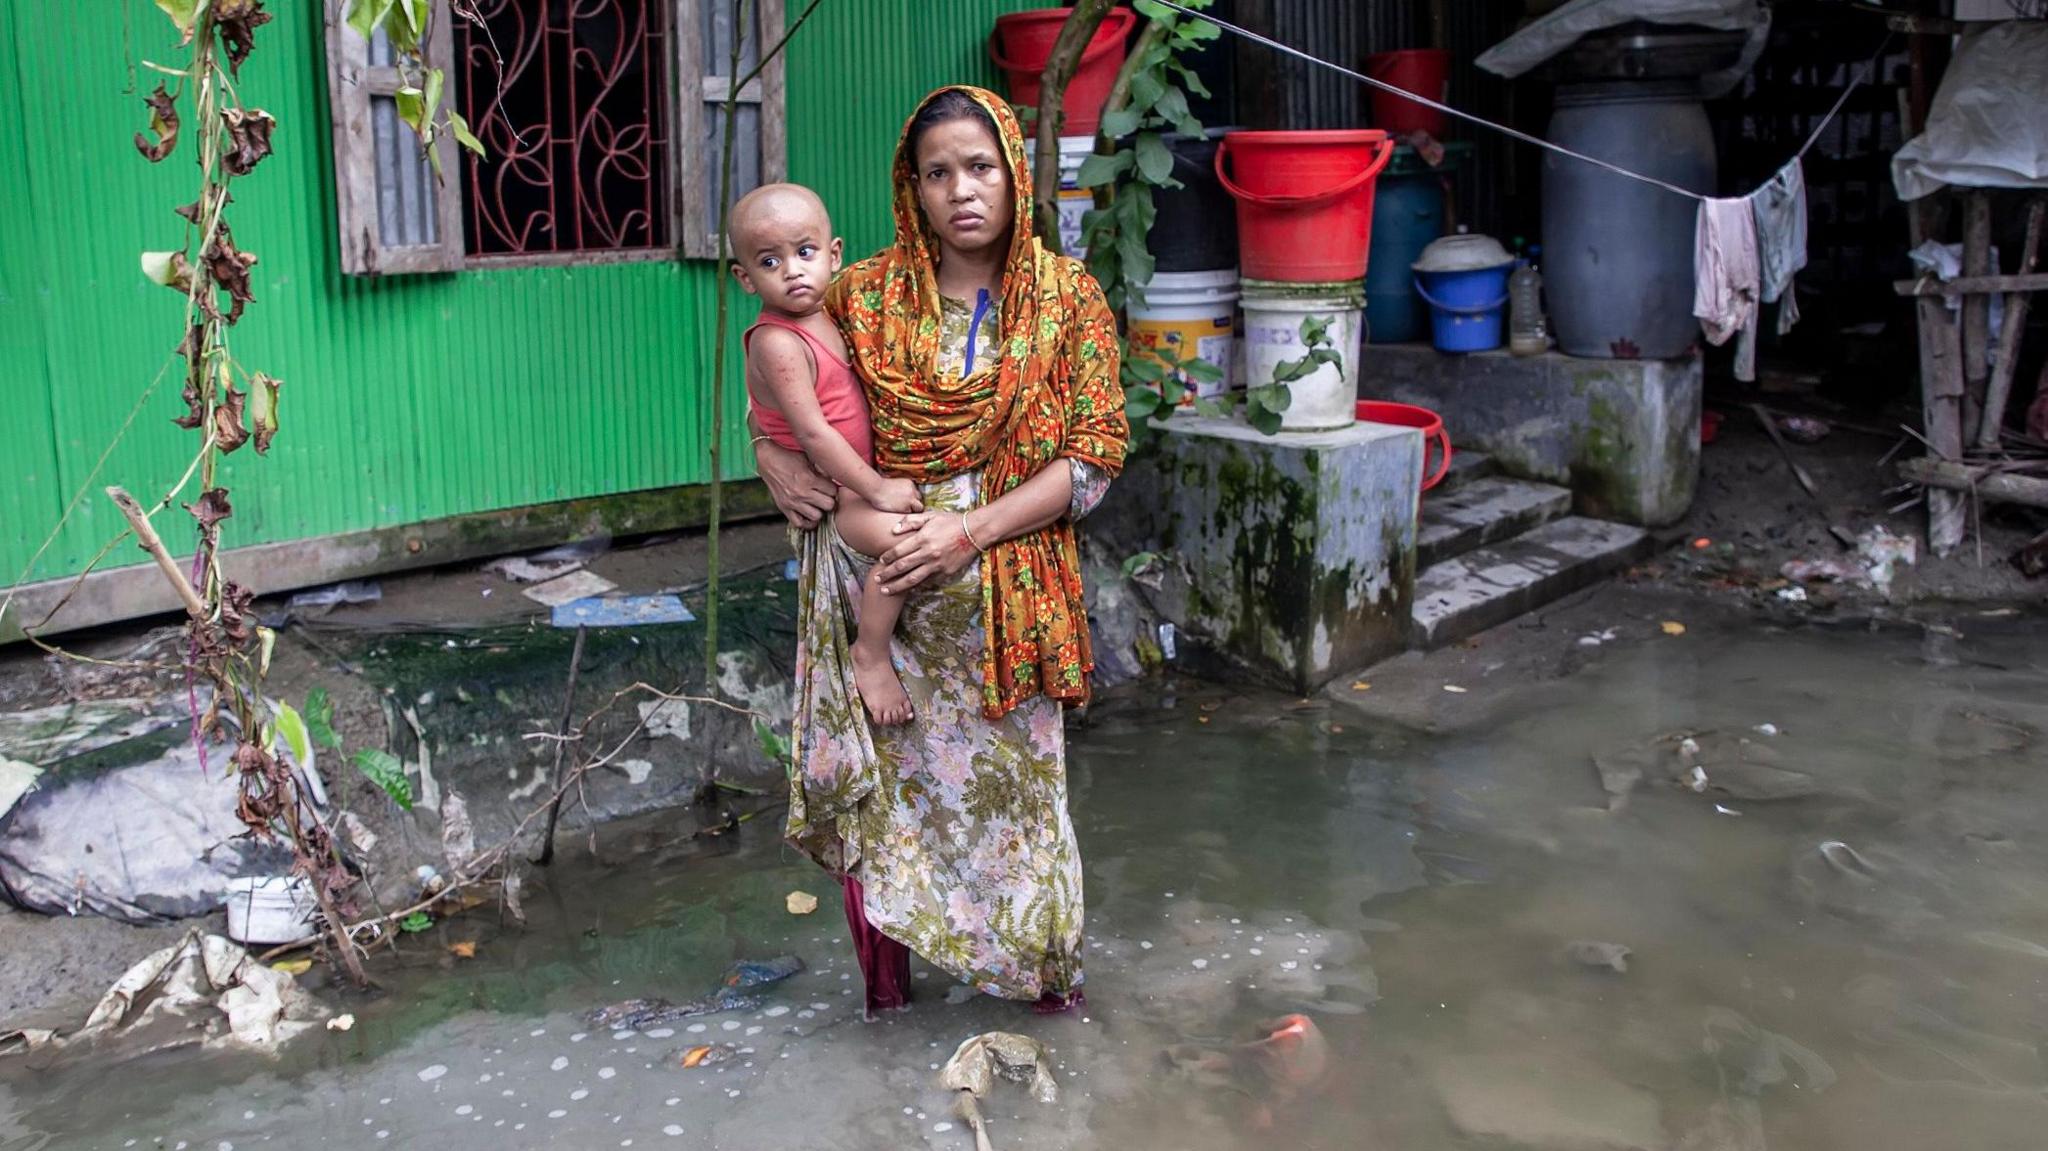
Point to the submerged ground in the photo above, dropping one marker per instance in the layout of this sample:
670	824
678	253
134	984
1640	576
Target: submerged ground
1841	942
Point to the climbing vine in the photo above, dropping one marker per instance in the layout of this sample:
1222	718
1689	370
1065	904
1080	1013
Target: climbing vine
1130	163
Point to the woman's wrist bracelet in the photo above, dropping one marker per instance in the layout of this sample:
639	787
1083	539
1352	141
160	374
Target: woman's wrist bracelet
755	442
971	541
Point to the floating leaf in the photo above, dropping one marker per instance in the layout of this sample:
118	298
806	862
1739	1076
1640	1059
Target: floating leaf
463	949
415	923
382	768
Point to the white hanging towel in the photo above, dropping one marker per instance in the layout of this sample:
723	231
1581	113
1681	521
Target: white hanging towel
1780	209
1724	268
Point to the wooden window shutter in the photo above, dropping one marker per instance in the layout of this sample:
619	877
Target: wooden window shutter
703	56
394	215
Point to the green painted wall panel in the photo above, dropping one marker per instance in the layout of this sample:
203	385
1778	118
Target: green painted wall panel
407	398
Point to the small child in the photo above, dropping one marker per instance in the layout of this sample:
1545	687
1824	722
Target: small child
806	399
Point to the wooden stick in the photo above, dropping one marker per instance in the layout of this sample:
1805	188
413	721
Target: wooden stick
146	535
1971	285
1842	535
1999	392
1987	482
1976	306
547	843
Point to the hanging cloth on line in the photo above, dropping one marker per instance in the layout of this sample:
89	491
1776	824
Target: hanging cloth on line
1745	252
1780	208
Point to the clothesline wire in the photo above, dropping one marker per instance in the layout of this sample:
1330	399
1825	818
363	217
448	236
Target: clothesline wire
1515	133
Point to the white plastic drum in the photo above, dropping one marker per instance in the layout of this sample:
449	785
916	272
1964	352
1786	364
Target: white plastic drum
1194	314
1326	398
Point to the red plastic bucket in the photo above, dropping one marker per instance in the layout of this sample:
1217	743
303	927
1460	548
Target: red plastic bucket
1304	201
1423	71
1409	416
1022	43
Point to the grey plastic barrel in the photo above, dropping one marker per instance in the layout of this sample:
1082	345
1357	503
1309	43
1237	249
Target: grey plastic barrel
1618	253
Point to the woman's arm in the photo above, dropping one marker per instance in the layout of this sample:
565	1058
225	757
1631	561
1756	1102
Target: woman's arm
798	490
940	544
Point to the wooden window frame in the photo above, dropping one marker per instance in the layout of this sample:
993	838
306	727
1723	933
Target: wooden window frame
696	224
352	83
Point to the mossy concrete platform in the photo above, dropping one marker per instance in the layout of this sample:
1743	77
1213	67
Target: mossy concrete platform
1288	559
1623	435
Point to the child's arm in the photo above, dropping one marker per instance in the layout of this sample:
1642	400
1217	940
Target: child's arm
781	363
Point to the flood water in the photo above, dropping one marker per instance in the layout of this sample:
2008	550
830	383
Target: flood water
1841	943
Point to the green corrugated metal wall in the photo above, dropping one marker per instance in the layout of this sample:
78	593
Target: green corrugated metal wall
405	399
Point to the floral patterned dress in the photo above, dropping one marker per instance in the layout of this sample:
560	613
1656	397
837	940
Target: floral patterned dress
958	828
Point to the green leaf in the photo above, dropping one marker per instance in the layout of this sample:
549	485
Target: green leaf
1276	398
1120	123
1197	30
1172	391
1315	330
291	727
382	768
1141	404
775	746
415	923
412	108
363	15
1097	170
1266	420
463	135
320	719
436	79
1137	563
415	13
1173	106
1190	81
1146	89
1153	10
1144	369
1201	371
1155	163
263	410
183	13
1211	407
1292	370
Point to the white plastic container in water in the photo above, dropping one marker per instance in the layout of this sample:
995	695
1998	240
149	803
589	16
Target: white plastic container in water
1326	398
1195	315
1075	201
269	909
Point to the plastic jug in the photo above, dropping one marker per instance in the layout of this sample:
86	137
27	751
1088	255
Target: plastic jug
1528	333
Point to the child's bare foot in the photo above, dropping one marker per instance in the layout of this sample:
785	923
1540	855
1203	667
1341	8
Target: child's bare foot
879	688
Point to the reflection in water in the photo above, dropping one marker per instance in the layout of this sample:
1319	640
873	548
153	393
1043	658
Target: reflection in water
1743	892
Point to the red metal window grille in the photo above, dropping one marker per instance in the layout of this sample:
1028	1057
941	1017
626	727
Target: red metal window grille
570	99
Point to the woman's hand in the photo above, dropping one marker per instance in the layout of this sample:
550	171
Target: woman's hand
803	495
932	546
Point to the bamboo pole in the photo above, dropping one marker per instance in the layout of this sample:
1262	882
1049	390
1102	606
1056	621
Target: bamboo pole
145	534
1976	307
1992	424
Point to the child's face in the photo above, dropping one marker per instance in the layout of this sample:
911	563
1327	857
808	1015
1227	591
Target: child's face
787	256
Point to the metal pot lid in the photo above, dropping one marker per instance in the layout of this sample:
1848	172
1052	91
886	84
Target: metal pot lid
1462	253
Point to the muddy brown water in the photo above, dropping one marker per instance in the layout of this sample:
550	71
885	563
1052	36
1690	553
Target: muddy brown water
1841	943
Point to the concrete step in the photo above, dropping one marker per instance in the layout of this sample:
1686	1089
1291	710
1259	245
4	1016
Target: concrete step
1465	468
1481	512
1466	595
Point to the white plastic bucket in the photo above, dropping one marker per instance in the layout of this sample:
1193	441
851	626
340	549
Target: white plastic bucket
1195	315
1326	398
1075	201
269	909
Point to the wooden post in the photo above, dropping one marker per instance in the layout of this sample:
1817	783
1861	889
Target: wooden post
1976	307
1074	38
1941	369
1992	424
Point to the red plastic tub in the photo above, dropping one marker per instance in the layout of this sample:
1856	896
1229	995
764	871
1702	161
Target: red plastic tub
1022	43
1423	71
1304	201
1409	416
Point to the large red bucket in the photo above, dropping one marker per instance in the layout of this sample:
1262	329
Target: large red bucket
1304	201
1423	71
1022	43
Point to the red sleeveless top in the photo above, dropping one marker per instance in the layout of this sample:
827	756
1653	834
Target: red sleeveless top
839	396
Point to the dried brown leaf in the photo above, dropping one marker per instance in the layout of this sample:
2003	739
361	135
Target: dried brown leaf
213	507
248	140
238	21
229	269
163	121
229	431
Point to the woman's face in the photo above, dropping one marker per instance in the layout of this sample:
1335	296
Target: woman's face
964	186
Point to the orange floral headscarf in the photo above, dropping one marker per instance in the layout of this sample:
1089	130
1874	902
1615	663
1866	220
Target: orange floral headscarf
1050	392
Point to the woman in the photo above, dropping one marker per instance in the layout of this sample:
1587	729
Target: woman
990	367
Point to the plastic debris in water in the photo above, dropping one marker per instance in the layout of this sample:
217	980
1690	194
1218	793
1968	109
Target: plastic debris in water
1593	953
801	903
